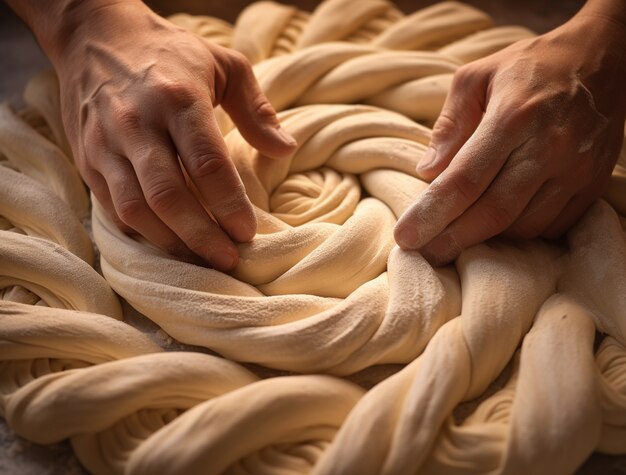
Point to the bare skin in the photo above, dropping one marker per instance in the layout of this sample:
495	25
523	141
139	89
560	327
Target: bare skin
526	140
137	96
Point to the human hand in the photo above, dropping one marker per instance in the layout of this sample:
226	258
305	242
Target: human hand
137	96
526	140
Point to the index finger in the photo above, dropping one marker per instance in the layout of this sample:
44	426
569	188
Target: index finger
469	174
205	157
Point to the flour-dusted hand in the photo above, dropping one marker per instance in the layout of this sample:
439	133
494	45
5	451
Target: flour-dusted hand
137	99
526	140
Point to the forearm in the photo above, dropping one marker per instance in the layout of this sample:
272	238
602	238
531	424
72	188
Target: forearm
603	23
593	44
612	10
56	23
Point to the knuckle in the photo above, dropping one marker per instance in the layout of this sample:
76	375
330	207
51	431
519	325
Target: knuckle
128	118
207	165
263	109
461	185
463	77
516	115
239	68
175	93
145	155
94	133
444	127
496	217
130	209
471	78
238	62
162	196
195	243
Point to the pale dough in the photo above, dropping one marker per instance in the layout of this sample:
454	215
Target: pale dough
321	289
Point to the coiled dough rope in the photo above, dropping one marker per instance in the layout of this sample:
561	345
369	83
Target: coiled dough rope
413	83
195	412
266	29
281	297
55	361
135	431
45	252
557	393
362	69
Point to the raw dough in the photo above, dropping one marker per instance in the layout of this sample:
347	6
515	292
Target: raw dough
321	289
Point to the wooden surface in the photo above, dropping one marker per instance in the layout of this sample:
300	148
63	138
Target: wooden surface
20	59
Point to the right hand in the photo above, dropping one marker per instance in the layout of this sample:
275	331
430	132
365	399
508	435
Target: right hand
137	102
526	140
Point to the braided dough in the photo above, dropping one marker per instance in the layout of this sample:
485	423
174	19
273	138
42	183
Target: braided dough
321	289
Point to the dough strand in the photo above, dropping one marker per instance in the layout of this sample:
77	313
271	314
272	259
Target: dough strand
144	361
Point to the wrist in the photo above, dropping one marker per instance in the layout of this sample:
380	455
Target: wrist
60	24
605	22
608	12
596	39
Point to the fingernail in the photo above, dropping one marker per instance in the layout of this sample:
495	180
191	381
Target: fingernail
242	231
223	260
427	159
407	237
286	137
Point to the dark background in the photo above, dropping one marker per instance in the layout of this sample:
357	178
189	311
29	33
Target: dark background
21	58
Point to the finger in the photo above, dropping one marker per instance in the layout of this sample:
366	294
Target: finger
541	212
251	111
88	153
459	118
501	204
98	186
470	173
205	158
570	214
166	193
598	177
132	208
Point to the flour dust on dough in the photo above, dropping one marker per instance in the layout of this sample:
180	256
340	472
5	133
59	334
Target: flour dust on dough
264	376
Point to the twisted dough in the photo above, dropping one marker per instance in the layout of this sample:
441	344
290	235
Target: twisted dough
372	316
42	160
361	68
41	213
266	29
458	363
322	288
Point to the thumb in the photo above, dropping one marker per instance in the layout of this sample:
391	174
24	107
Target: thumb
459	117
252	113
